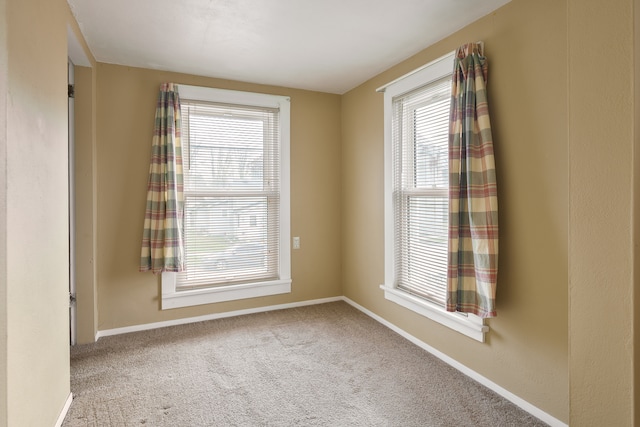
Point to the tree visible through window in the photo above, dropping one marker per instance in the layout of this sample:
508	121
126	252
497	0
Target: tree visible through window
236	197
231	194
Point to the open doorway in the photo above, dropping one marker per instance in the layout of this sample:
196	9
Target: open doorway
83	310
72	208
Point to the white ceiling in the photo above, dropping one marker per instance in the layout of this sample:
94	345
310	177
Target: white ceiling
322	45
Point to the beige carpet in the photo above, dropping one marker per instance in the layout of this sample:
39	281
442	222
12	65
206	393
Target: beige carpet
323	365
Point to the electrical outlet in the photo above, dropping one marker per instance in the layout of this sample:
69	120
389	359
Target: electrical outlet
296	243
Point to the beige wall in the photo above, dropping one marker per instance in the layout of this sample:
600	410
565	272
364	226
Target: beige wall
85	197
636	216
564	138
566	248
34	215
3	214
564	336
86	202
526	351
126	100
601	174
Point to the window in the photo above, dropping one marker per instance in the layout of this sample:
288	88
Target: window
416	195
236	197
420	189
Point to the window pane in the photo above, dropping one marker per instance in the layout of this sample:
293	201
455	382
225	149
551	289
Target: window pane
224	153
431	138
421	168
227	240
425	260
231	219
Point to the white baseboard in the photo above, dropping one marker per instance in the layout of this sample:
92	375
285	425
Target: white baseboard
533	410
65	409
148	326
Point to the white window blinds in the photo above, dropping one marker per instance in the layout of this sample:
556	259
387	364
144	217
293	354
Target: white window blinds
232	194
420	121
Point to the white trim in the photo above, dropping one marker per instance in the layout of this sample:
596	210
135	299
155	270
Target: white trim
431	72
412	79
186	320
469	325
518	401
172	298
201	93
65	410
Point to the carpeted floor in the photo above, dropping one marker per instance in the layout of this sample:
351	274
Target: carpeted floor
323	365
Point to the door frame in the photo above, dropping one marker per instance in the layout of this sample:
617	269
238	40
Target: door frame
72	208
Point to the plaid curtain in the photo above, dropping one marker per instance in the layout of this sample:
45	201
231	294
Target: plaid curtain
473	202
162	238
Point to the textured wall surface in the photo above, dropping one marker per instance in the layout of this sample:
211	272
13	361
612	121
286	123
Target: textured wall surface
560	79
3	213
36	215
86	202
126	108
601	147
526	351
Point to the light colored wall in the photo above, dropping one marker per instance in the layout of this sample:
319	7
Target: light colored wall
126	99
86	202
35	213
85	185
601	175
526	351
636	214
3	213
566	248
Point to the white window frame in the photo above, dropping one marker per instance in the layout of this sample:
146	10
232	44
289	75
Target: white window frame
174	298
467	324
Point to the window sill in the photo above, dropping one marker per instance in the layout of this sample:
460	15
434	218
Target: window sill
469	325
172	298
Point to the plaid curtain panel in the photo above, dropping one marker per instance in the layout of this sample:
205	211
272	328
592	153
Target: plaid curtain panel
162	238
473	202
